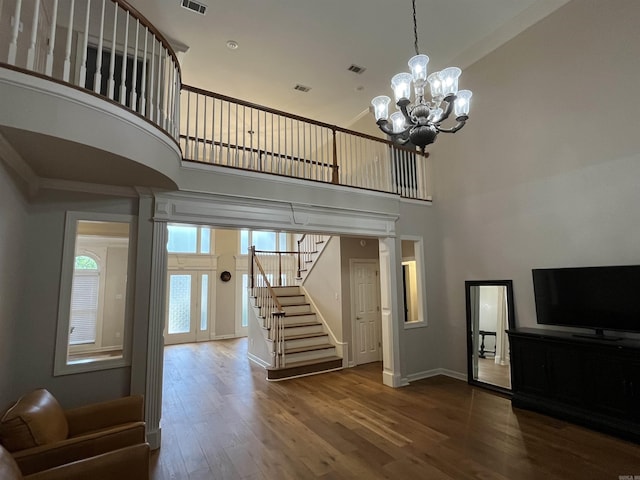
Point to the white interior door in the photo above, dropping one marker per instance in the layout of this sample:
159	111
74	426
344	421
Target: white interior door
187	307
365	298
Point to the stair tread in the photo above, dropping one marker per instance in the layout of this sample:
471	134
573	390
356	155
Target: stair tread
297	305
303	363
300	314
302	324
305	335
310	348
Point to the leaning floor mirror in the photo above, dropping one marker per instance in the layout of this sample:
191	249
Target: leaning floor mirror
490	313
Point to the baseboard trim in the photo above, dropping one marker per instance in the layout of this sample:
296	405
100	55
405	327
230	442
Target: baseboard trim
393	380
412	377
258	360
154	438
226	337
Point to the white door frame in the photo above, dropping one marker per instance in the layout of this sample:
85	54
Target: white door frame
354	331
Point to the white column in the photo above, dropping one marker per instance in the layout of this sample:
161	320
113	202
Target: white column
155	345
390	311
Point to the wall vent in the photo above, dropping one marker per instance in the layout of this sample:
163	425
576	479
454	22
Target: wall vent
356	69
302	88
194	6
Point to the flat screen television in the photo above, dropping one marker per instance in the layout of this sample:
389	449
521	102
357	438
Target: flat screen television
601	298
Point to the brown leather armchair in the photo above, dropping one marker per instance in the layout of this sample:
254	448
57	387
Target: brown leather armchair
41	435
129	463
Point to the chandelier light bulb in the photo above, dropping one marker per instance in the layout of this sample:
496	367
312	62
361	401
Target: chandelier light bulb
418	65
397	122
401	84
436	84
381	107
461	104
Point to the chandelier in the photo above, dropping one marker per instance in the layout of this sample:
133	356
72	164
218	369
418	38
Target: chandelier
419	122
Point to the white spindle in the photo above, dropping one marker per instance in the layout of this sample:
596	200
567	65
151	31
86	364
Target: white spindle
176	102
212	154
83	63
204	131
48	69
159	85
15	31
143	81
112	61
67	49
134	83
152	78
97	79
196	141
31	53
186	140
228	133
123	70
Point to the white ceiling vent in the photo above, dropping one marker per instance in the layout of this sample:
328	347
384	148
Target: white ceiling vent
302	88
194	6
356	69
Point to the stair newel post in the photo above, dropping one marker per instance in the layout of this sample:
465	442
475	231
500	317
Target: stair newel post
279	337
252	253
335	177
279	269
299	255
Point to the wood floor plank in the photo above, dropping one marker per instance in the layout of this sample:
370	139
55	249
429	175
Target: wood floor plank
221	419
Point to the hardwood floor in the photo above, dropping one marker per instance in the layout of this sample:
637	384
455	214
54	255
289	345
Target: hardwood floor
222	419
490	372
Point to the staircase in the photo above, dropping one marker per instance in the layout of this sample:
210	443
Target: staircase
306	347
310	247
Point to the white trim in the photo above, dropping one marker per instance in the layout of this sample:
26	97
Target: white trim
154	438
304	375
257	214
227	336
61	365
73	186
257	360
413	377
418	252
342	348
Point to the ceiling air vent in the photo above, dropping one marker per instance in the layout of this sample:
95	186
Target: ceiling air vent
302	88
194	6
356	69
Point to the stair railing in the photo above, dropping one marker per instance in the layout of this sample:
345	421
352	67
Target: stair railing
270	308
307	247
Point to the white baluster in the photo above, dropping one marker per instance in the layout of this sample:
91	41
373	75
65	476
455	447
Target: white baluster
186	140
212	154
112	61
67	50
83	63
159	83
134	84
31	53
143	82
170	94
123	71
176	109
97	78
152	78
52	40
15	30
204	131
196	146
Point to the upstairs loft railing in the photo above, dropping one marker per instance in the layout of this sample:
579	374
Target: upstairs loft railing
224	131
102	46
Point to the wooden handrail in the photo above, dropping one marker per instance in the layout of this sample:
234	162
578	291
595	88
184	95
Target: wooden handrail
266	281
143	20
334	128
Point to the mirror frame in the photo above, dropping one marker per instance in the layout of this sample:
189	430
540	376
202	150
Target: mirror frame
511	322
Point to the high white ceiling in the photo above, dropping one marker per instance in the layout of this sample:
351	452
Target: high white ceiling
312	42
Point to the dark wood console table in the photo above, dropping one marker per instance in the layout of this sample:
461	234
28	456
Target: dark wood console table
593	382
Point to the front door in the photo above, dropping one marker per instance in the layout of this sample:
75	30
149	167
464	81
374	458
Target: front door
367	338
187	307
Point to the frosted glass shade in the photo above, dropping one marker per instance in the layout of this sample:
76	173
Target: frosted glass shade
461	104
436	84
381	107
401	84
397	121
418	66
449	77
435	115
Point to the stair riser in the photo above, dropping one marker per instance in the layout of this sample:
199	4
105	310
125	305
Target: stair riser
306	342
296	308
312	355
302	330
292	290
309	318
291	300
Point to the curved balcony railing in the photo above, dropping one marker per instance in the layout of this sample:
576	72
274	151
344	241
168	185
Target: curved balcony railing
102	46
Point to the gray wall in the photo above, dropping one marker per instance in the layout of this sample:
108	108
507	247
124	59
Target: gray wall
32	336
13	226
546	172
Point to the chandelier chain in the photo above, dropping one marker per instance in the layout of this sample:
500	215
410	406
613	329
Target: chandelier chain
415	28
